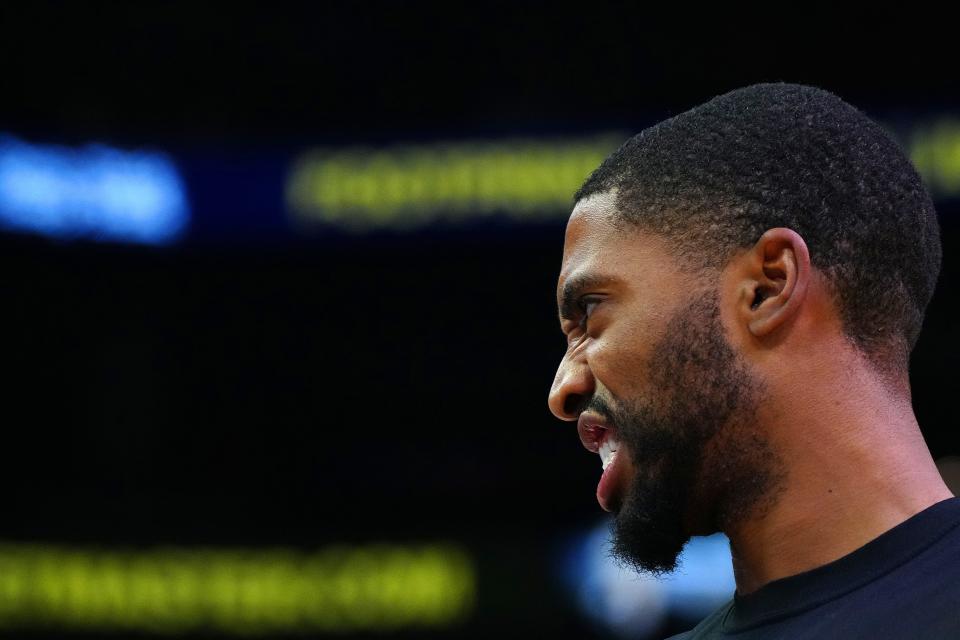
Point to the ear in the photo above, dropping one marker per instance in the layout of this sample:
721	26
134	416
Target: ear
777	279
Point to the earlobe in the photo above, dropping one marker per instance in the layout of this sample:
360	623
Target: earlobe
780	276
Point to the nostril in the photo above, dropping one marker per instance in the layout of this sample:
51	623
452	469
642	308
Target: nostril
573	404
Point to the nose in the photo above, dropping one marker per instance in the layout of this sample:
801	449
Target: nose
572	387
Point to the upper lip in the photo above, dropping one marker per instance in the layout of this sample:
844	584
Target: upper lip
593	429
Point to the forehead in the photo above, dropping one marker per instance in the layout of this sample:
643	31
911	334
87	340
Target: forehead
595	247
590	224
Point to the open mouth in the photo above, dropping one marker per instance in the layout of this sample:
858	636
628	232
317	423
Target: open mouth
599	437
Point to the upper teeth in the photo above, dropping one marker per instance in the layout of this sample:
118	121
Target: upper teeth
608	451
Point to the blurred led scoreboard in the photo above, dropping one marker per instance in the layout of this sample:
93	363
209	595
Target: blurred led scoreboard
99	192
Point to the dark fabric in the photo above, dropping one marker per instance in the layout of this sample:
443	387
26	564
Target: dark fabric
903	584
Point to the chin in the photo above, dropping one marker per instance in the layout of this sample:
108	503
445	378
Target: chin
648	535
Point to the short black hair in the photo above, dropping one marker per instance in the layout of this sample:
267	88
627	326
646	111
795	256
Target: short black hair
715	178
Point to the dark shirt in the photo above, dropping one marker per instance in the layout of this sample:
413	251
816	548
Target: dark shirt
903	584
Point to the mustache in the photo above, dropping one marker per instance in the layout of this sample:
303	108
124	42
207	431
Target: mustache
599	405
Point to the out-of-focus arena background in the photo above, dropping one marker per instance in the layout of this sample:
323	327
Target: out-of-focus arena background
278	305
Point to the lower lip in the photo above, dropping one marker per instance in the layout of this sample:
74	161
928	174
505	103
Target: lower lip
609	491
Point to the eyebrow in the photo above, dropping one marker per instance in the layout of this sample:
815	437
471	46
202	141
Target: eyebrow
574	287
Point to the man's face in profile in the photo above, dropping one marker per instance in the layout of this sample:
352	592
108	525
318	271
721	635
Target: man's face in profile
657	389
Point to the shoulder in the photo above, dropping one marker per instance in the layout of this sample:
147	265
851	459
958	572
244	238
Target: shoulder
709	627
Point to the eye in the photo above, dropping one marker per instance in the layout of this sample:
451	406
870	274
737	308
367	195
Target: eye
587	304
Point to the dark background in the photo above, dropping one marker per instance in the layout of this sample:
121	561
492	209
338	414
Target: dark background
389	386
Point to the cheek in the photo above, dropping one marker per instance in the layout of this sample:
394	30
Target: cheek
620	357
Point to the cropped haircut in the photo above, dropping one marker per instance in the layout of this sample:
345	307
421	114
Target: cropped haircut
715	178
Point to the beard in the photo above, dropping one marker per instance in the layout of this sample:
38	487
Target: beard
696	428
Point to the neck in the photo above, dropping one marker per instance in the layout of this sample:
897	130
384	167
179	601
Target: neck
856	466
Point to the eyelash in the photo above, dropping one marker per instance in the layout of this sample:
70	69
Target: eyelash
582	304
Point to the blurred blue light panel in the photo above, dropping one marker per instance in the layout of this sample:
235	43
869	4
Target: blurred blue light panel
634	606
94	192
